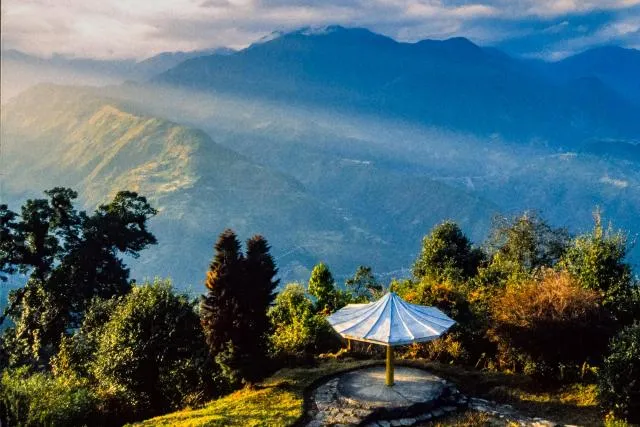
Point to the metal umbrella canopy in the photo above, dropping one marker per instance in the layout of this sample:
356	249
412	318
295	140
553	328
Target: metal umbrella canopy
390	321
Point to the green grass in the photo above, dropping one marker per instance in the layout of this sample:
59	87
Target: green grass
279	400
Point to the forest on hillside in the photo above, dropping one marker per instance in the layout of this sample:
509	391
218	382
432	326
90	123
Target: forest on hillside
83	344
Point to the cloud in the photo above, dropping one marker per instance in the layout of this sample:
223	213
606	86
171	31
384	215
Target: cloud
122	28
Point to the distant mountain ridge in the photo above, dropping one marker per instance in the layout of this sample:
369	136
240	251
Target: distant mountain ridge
451	83
21	70
617	67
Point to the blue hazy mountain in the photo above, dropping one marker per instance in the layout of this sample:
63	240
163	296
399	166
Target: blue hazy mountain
21	70
452	83
616	67
98	145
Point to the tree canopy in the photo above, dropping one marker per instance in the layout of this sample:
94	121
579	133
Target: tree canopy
69	257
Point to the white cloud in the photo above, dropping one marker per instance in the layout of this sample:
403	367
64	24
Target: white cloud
124	28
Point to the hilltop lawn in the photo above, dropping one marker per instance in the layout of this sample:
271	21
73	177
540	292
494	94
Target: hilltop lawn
279	400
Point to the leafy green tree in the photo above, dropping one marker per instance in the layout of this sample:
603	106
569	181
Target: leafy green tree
323	287
363	286
8	242
447	254
69	257
234	310
150	355
597	261
521	246
298	330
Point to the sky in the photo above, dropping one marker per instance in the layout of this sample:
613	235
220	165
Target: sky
114	29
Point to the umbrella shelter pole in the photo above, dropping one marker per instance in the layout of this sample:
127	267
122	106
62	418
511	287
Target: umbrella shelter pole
389	379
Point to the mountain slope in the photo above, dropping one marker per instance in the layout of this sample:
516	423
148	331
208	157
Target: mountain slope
452	83
65	136
345	213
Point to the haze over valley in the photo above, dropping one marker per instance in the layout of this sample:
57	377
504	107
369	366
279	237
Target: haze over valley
339	145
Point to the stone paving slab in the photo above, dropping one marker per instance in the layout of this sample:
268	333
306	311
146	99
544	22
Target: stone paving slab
361	397
412	386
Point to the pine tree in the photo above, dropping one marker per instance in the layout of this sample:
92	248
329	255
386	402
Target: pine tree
219	308
260	285
234	311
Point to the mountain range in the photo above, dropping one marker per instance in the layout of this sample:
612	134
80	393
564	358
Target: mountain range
338	145
21	70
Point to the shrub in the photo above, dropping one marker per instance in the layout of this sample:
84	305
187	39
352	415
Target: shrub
151	354
42	400
297	330
466	341
619	377
548	324
597	261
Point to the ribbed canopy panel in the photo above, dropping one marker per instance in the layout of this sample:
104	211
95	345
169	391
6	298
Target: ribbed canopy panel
390	321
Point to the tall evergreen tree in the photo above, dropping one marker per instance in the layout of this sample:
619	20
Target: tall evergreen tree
260	285
219	308
234	310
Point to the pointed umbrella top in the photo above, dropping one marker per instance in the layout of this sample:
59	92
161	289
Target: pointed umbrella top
390	321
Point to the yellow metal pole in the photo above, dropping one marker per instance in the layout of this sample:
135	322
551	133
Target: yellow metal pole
348	344
389	380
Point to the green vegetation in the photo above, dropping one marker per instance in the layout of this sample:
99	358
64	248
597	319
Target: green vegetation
278	401
297	329
69	257
619	384
234	310
541	316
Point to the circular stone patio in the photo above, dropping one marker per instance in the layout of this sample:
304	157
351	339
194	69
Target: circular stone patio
361	397
412	386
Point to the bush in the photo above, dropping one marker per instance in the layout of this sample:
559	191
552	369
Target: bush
619	377
42	400
544	326
465	342
151	354
597	261
297	330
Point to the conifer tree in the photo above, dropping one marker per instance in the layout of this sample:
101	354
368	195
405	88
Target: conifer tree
260	285
234	310
219	308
